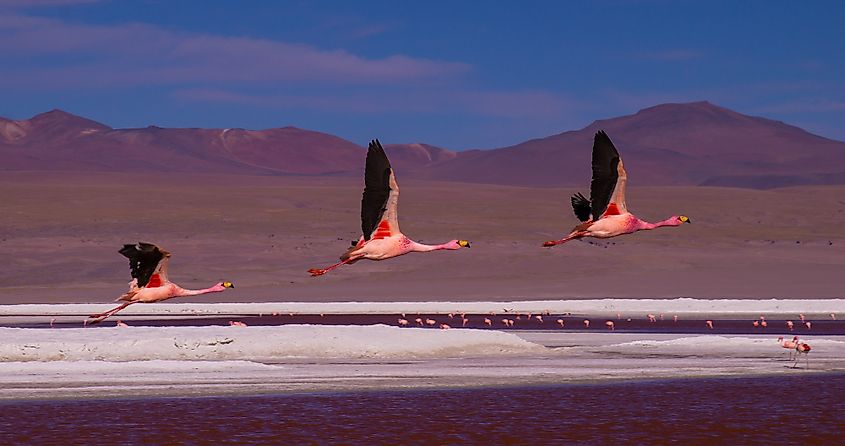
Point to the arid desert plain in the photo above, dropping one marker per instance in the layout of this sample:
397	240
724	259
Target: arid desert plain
59	235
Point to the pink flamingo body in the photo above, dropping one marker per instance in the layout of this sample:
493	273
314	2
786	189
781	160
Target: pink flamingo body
381	237
560	322
586	323
148	264
709	324
605	214
610	325
402	322
789	345
488	322
802	348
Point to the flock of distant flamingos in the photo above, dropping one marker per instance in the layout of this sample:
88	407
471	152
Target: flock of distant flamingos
604	215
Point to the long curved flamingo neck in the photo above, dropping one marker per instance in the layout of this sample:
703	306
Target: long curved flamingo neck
213	289
420	247
644	225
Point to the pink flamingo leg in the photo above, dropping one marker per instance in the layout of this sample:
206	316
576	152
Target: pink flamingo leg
97	318
319	272
551	243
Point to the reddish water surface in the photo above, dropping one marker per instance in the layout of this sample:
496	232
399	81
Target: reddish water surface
769	410
571	323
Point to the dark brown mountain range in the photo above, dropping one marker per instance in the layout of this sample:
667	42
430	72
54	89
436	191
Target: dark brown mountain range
670	144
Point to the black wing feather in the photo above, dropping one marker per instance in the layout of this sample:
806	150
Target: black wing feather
376	188
581	206
605	161
143	260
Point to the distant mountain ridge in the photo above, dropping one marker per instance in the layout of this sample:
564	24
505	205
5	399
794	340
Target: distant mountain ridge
694	143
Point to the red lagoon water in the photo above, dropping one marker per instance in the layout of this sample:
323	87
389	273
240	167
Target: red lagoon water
807	409
571	322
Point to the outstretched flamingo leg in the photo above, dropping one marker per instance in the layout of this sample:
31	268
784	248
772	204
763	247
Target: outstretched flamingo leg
572	236
97	318
320	272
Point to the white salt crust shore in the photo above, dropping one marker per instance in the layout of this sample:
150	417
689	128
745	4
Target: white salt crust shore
598	307
219	360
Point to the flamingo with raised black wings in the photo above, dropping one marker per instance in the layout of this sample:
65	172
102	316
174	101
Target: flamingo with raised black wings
606	214
381	237
148	267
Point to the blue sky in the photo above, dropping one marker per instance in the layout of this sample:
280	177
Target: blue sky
454	74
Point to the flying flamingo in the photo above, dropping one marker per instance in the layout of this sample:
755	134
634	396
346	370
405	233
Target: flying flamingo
605	214
381	237
790	345
148	267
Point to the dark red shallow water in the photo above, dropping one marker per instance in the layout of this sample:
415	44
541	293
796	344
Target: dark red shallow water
572	323
769	410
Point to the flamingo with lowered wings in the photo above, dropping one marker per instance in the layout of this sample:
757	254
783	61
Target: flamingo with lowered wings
606	214
381	237
148	267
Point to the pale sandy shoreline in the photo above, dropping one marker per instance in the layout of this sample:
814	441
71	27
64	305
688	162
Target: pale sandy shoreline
596	307
415	361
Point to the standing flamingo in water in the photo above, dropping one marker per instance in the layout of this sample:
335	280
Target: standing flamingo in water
800	348
148	267
789	345
605	214
381	237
